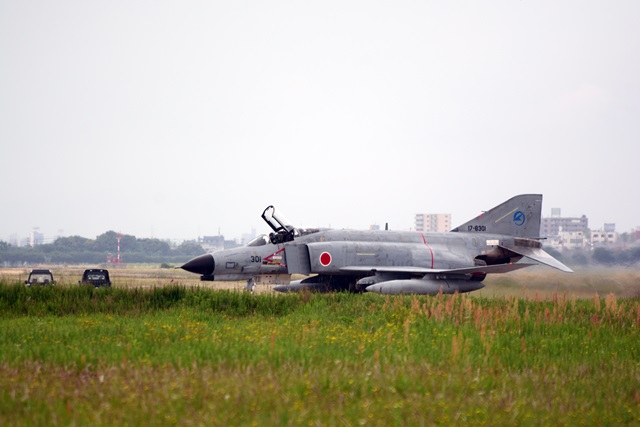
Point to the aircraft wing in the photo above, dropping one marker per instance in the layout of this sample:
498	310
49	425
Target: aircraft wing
538	255
484	269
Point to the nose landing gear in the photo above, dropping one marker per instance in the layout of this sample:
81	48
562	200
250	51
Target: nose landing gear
251	285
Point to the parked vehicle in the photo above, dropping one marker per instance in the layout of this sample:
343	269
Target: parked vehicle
40	277
95	276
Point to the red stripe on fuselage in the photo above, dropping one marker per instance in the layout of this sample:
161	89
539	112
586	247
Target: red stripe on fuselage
424	239
268	257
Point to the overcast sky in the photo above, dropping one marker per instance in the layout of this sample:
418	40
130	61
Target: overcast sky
176	119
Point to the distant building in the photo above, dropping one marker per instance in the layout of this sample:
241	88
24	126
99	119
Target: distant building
211	243
567	240
553	225
564	233
36	238
433	223
230	244
606	236
216	243
247	237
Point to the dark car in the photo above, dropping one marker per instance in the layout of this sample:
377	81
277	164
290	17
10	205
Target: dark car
96	277
40	277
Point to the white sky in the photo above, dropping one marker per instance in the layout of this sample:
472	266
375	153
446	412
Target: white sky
173	119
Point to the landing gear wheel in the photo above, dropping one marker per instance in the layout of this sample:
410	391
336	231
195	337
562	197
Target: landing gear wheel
251	285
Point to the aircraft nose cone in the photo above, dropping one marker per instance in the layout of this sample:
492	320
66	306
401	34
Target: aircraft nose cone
203	264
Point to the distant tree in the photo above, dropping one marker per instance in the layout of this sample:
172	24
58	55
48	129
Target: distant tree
579	258
153	247
553	252
107	242
630	256
73	243
604	256
76	249
128	244
189	249
624	238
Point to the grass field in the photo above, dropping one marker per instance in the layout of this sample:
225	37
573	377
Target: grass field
157	352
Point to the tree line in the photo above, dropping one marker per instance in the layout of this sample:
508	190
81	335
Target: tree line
80	250
599	256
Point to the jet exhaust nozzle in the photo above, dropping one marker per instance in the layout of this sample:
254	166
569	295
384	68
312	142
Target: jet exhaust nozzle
203	264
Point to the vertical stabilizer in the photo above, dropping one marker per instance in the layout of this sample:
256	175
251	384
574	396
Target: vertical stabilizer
518	216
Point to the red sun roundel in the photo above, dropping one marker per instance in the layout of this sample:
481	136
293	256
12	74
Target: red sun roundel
325	258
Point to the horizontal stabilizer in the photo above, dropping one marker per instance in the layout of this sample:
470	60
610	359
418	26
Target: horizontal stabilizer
538	255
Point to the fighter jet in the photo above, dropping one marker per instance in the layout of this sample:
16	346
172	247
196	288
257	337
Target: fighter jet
503	239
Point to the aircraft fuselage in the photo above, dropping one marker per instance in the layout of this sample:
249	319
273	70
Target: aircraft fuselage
387	262
357	254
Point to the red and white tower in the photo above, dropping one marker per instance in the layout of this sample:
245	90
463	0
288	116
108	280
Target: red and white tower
119	261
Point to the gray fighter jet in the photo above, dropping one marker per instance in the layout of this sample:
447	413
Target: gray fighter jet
386	262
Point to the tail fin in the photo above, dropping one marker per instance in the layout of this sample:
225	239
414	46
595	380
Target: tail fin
518	216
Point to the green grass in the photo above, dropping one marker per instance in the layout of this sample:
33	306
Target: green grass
190	356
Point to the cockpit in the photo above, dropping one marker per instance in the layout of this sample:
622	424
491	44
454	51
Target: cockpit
283	231
261	240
